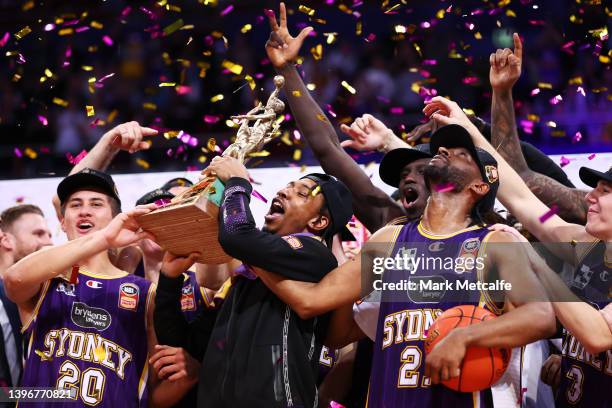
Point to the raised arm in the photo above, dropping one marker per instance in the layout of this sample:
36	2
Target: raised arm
505	71
126	136
24	279
513	192
372	206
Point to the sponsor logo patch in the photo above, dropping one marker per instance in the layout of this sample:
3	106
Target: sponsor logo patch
187	299
436	246
90	317
66	288
293	242
93	284
128	296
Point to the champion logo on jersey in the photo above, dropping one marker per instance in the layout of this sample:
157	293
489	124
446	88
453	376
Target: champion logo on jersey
94	284
436	246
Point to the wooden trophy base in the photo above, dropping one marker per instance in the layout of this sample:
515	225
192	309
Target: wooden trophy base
190	224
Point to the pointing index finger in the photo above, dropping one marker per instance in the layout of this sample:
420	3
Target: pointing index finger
518	46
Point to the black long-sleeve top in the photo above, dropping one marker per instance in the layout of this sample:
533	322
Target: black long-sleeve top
259	352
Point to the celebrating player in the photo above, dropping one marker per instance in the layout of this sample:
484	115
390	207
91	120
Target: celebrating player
587	357
90	335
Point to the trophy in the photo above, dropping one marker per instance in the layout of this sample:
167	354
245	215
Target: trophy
189	223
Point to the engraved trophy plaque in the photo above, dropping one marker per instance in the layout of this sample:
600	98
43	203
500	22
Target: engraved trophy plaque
189	223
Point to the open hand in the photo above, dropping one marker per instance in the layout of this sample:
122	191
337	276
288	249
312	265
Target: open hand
123	230
281	47
174	265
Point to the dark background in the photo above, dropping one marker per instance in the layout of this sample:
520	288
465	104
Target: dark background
383	66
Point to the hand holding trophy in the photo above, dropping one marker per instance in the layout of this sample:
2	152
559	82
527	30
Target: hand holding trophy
190	222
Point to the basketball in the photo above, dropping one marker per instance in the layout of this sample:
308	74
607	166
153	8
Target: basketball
481	367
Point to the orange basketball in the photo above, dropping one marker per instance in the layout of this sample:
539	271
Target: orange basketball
481	367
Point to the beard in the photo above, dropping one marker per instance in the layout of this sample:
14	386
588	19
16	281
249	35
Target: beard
435	175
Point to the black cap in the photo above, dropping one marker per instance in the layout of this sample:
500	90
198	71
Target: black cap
84	179
394	161
590	177
457	136
339	203
153	196
177	182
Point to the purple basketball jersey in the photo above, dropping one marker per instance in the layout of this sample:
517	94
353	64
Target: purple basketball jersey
327	359
193	297
397	379
91	337
586	380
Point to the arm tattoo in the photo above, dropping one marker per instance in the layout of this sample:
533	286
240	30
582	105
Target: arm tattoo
504	137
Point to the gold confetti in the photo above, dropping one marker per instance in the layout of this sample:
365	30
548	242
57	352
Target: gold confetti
165	84
532	117
143	163
440	14
23	32
477	35
111	116
65	31
558	133
232	67
263	153
600	33
96	25
30	153
90	110
16	78
285	139
297	94
202	159
503	3
171	134
604	59
468	111
246	28
510	13
149	106
317	52
358	28
231	124
173	27
250	81
316	190
575	81
60	102
87	68
217	98
211	144
297	154
306	10
400	29
28	5
322	117
544	85
331	37
348	87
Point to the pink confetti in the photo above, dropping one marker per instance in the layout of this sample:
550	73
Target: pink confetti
43	120
383	99
591	156
430	62
330	111
555	100
183	89
211	118
371	37
535	92
148	12
564	161
105	77
425	24
444	188
19	199
296	135
94	123
44	149
470	80
18	153
107	40
126	11
476	12
553	210
71	23
580	90
4	39
256	194
227	10
334	404
577	137
162	202
49	27
81	29
397	110
21	59
77	159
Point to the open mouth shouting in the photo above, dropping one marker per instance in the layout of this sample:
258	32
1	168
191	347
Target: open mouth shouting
276	211
84	226
411	195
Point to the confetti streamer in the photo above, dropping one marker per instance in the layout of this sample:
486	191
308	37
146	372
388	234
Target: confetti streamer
549	214
256	194
444	188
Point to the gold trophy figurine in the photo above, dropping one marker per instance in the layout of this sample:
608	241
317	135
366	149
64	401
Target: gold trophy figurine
190	222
